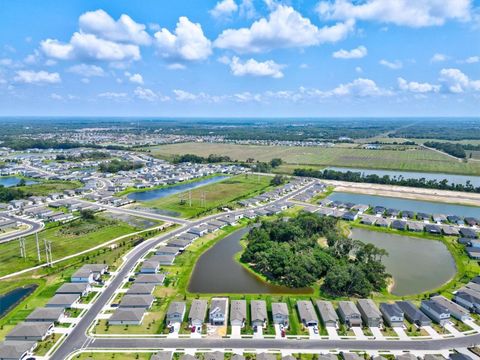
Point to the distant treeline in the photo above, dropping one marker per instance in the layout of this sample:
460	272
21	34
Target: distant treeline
358	177
115	166
25	144
196	159
93	155
456	150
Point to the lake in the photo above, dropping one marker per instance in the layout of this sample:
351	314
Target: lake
406	204
9	181
10	299
217	272
416	265
452	178
155	194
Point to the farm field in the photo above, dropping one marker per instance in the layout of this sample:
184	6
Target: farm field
67	239
218	194
407	160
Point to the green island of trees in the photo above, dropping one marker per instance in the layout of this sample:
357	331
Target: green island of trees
115	166
289	253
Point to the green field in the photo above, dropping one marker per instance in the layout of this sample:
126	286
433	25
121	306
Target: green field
49	187
67	239
216	195
409	159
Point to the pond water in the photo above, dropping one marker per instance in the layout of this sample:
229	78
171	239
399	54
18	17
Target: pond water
406	204
10	299
416	265
217	272
9	181
452	178
172	190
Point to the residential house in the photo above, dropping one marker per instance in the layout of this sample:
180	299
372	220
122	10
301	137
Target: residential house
218	314
468	299
392	314
16	350
81	289
127	316
167	250
162	355
454	310
258	313
399	225
349	313
141	289
327	313
371	316
137	301
468	233
215	355
280	314
44	314
413	314
156	279
198	311
307	313
149	267
30	331
176	312
65	301
238	312
435	311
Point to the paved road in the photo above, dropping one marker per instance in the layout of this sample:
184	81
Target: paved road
78	337
282	344
33	228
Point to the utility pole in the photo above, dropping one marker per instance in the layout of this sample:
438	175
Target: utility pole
190	198
38	247
46	249
23	253
50	252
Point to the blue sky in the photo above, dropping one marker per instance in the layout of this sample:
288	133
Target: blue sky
240	58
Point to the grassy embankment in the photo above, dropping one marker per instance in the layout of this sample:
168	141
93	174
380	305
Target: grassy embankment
220	194
48	280
403	158
66	239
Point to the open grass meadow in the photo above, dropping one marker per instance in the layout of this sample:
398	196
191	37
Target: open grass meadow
416	159
48	187
66	239
216	195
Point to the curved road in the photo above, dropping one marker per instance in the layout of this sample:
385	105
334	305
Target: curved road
78	338
33	228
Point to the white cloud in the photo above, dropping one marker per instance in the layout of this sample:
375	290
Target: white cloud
114	95
438	58
37	77
182	95
187	42
394	65
55	96
472	59
176	66
134	78
89	47
358	69
359	88
356	53
104	26
284	28
224	8
87	70
247	9
148	95
412	13
416	87
455	81
253	67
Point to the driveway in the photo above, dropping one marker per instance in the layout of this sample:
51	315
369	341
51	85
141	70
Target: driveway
176	329
453	330
332	332
259	333
236	332
401	333
472	324
377	334
357	330
311	333
431	331
278	332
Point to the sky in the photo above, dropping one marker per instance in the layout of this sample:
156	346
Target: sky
252	58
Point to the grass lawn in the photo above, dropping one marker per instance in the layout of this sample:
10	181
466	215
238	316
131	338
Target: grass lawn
112	355
48	187
48	280
66	239
409	159
216	195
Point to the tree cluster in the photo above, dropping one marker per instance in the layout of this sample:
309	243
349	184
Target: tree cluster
456	150
358	177
196	159
115	166
93	155
288	253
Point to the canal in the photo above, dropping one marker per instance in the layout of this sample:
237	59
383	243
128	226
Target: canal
416	265
155	194
217	272
452	178
9	181
406	204
12	298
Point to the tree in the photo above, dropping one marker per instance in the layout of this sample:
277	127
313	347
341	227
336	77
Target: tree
277	180
276	162
87	214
